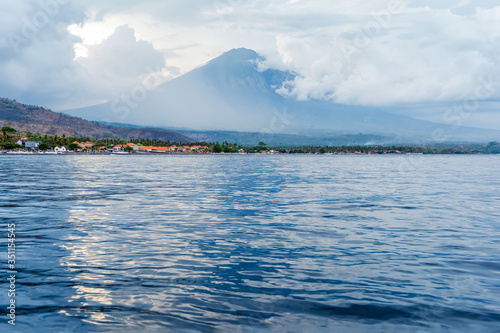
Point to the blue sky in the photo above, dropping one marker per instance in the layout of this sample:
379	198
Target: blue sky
421	58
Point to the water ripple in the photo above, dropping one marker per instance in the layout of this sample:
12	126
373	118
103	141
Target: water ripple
253	244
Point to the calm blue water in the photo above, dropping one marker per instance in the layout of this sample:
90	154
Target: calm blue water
253	243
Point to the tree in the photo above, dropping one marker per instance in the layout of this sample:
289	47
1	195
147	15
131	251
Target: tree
129	149
10	145
7	131
44	146
73	146
217	148
261	146
230	150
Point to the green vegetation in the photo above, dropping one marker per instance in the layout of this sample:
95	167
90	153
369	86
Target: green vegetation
217	148
490	148
72	146
225	147
44	146
7	132
10	145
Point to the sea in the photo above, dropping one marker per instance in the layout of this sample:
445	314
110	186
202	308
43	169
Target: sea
250	243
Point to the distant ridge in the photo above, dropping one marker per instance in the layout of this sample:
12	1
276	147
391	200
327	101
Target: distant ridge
37	119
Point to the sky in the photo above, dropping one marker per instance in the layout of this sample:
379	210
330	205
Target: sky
430	59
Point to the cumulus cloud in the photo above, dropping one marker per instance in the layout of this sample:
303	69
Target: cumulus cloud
35	49
403	55
38	63
117	64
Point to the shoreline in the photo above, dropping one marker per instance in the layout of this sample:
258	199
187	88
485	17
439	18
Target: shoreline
232	154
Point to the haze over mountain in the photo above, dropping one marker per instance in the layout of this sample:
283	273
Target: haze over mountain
231	93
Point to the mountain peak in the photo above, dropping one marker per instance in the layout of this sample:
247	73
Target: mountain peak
237	56
231	92
244	52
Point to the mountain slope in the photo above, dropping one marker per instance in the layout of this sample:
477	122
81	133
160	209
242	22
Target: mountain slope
230	93
40	120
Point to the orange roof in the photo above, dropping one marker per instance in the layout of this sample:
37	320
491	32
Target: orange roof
186	147
153	148
76	143
132	145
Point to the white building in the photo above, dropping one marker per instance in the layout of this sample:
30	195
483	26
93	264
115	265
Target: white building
60	150
32	144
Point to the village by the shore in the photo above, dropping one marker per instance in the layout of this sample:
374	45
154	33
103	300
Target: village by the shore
14	142
87	147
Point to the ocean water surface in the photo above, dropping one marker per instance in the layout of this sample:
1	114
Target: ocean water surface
252	243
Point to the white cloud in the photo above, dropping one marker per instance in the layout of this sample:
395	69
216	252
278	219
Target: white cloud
117	64
38	65
418	54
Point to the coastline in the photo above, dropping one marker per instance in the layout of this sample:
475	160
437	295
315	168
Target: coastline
233	154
